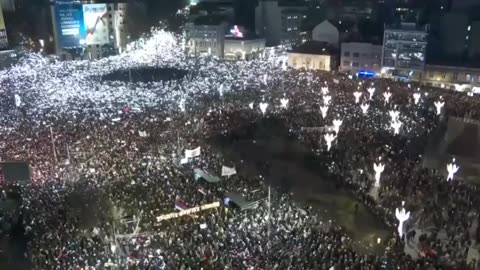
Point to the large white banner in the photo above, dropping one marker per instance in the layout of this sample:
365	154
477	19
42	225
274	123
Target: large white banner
95	18
192	153
227	171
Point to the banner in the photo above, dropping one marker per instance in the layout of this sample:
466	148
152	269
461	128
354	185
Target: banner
142	134
96	24
180	205
188	211
69	23
226	171
198	173
18	100
192	153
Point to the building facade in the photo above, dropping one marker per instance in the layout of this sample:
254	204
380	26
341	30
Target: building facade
278	23
452	77
243	48
404	51
310	61
326	32
107	37
206	39
313	55
359	56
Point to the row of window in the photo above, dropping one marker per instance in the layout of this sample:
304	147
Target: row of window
202	43
356	64
365	55
455	77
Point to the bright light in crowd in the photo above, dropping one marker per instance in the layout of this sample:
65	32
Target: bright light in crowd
402	216
452	169
371	90
365	108
324	90
357	96
416	97
439	106
396	125
263	107
336	125
324	110
394	114
387	96
284	102
327	99
378	168
329	137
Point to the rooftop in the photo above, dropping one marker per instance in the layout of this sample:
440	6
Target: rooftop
209	20
404	26
314	47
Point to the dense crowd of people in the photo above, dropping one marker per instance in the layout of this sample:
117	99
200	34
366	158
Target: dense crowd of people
108	158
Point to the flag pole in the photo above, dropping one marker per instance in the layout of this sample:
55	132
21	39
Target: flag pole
53	145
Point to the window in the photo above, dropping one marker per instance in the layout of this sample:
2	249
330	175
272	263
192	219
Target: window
347	54
355	64
356	54
346	63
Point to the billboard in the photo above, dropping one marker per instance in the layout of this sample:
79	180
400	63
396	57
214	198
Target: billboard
96	24
70	25
3	31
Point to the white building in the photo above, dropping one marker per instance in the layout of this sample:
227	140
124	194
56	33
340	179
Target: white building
113	40
326	32
206	38
243	48
360	56
279	24
404	51
313	55
453	77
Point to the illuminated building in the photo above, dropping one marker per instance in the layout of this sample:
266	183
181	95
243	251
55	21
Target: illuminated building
241	46
452	77
404	50
360	56
93	30
313	55
206	35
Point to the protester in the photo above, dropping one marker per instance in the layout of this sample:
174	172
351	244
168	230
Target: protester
106	162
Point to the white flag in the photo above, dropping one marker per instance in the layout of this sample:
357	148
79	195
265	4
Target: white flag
18	100
192	153
226	171
184	161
